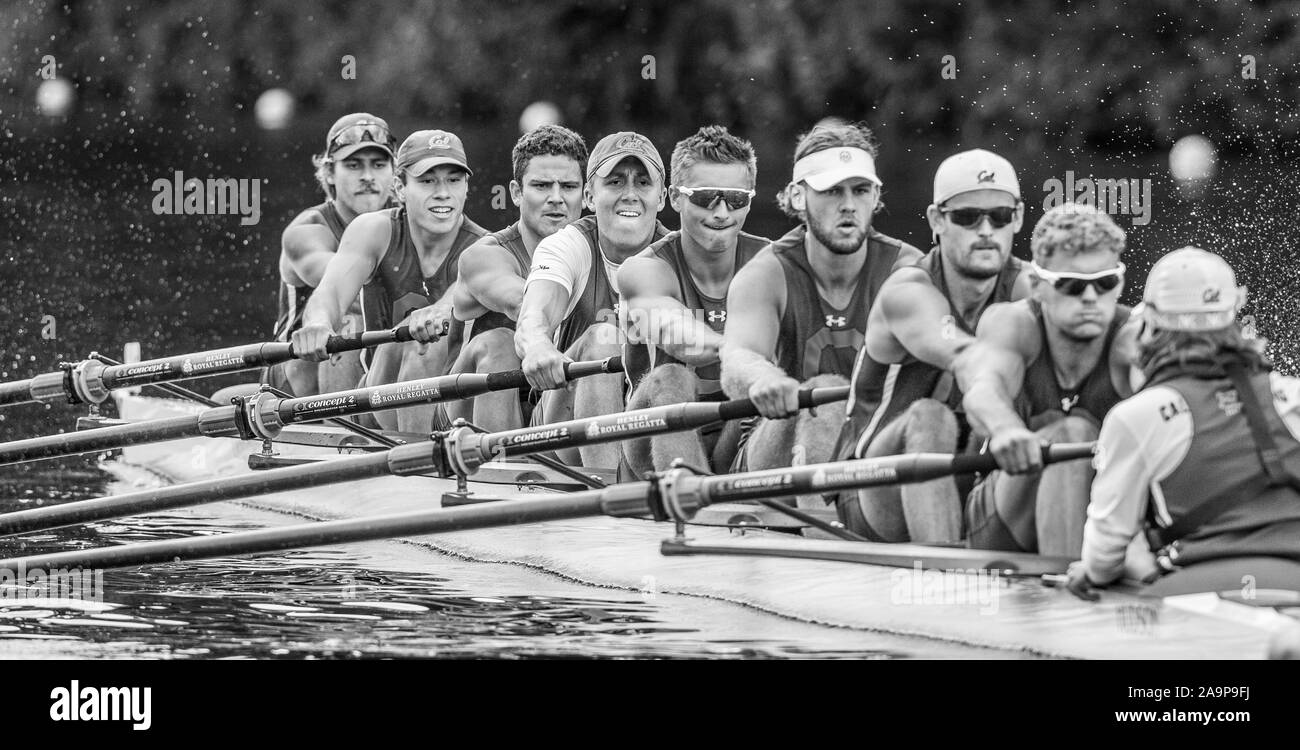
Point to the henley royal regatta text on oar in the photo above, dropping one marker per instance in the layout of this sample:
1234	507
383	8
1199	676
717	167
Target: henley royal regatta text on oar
90	381
263	416
458	452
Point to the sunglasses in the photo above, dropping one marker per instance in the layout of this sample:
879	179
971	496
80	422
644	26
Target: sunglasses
361	132
708	197
1073	284
971	217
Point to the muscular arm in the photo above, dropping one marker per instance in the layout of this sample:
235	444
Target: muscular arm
755	303
911	316
308	249
360	250
656	315
490	281
991	371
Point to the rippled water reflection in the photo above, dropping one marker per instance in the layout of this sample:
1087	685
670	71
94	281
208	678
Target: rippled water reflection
361	601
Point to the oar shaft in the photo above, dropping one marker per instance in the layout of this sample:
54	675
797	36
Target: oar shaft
101	439
90	381
472	450
410	393
231	359
856	474
343	469
558	507
17	392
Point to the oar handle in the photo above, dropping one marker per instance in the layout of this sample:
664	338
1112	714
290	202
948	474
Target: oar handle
363	340
742	408
985	462
504	381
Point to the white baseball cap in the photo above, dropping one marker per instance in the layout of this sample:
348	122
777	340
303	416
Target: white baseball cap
825	169
976	169
1191	289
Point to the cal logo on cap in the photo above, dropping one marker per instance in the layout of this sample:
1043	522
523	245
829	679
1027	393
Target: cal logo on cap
441	140
629	142
986	175
1210	295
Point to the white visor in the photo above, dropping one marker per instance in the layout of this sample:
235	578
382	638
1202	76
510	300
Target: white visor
829	167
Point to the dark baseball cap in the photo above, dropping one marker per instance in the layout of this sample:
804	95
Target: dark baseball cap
615	147
357	131
425	149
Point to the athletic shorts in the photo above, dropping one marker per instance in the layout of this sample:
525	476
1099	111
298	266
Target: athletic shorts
985	529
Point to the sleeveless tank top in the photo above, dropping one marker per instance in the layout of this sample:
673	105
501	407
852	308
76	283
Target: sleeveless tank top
1095	394
638	359
513	242
880	392
291	298
816	338
399	285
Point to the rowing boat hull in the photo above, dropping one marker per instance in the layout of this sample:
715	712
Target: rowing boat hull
964	608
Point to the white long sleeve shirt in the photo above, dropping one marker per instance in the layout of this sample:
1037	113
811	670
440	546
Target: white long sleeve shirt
1143	440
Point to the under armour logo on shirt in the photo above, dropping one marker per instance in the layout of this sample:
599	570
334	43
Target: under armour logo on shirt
836	321
717	316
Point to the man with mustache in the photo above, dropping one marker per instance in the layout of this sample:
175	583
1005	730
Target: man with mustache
569	308
356	172
797	313
547	187
1048	368
903	398
405	258
675	297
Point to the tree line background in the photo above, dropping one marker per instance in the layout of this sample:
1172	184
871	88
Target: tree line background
1110	74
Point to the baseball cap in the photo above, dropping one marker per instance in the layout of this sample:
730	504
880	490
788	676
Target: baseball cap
425	149
1191	289
614	147
825	169
359	130
976	169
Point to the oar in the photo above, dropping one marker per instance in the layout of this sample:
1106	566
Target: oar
440	457
263	416
90	381
679	494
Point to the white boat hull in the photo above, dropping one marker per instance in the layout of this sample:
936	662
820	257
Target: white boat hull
965	608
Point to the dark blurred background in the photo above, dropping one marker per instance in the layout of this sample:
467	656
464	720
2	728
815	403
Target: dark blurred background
1098	89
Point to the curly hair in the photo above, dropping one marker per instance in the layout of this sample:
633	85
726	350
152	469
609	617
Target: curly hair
829	133
547	140
1075	228
714	144
1166	348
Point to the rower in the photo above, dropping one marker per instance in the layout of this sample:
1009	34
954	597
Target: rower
903	398
568	312
355	171
547	187
798	311
674	298
1206	456
405	258
1047	368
